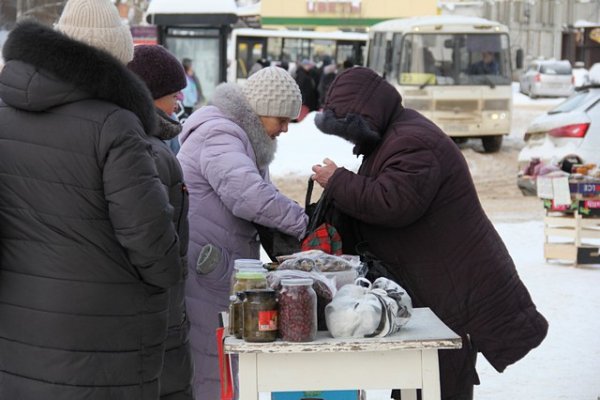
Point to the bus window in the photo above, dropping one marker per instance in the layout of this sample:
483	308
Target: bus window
375	61
298	49
290	47
454	59
275	49
248	51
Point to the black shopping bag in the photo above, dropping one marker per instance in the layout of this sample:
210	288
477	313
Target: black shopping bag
277	243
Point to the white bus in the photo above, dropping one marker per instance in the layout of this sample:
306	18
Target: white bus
281	45
455	70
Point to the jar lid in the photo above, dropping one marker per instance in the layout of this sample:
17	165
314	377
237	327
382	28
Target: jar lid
297	282
247	263
250	274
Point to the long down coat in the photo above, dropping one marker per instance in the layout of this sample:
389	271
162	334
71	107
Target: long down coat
414	202
225	155
87	245
176	376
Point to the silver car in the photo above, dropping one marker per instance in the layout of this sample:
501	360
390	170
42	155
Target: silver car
549	78
567	134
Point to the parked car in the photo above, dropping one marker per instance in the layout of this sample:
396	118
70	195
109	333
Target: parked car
594	74
550	78
567	134
581	75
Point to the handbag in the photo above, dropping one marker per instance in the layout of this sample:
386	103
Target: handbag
320	234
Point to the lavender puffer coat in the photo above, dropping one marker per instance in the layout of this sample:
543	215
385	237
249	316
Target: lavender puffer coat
225	154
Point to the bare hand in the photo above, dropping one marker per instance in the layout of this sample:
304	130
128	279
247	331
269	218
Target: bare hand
322	173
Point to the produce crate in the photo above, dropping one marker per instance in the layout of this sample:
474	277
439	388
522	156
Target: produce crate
549	205
587	189
589	207
317	395
572	238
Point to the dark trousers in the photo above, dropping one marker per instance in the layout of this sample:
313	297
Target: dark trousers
468	395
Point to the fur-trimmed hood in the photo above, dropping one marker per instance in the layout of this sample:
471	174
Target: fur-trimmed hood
229	99
360	107
45	68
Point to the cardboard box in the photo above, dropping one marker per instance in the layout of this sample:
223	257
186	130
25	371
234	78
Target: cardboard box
587	189
317	395
566	208
589	207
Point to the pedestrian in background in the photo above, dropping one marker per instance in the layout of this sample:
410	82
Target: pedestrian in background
165	77
327	77
87	246
226	149
192	93
258	65
413	206
308	87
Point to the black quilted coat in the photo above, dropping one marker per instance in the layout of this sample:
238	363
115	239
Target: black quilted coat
413	201
87	245
176	376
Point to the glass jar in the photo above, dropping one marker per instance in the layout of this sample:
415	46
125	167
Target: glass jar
260	315
248	274
297	310
236	315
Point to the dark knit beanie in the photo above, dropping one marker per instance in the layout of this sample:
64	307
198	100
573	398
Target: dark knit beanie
161	70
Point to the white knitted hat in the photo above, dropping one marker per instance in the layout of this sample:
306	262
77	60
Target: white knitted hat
272	92
98	24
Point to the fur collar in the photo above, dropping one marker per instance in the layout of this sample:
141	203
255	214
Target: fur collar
230	100
86	68
354	128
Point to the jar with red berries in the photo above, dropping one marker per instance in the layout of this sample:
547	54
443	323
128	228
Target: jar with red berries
297	310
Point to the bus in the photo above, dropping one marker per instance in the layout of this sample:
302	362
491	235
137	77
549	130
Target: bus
455	70
248	45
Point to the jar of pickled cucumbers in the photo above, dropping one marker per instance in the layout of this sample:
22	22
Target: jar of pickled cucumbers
260	315
248	274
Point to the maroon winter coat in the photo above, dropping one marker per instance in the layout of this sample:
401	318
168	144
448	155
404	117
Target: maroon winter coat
414	202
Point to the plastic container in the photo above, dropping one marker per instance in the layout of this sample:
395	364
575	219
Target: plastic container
297	310
260	315
248	274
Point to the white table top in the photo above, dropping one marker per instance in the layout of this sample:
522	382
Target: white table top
423	331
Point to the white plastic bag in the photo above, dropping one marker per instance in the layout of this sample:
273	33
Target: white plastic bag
377	310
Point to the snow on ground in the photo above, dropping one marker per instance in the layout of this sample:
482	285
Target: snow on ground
566	366
567	363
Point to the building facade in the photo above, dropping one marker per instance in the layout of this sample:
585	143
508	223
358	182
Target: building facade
355	15
541	28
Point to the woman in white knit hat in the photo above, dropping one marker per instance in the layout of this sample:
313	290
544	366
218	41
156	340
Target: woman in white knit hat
87	246
226	149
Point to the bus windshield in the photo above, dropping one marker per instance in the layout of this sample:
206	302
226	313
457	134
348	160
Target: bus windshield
452	59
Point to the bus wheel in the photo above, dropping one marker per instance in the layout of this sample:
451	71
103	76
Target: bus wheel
492	144
460	140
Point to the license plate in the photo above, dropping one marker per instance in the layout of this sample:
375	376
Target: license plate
454	128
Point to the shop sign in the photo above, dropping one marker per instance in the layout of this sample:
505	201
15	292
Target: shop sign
595	35
333	6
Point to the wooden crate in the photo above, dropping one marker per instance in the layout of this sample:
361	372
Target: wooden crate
576	232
